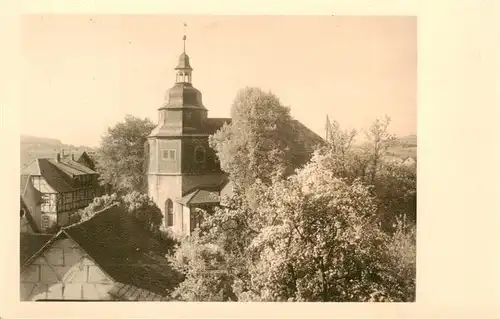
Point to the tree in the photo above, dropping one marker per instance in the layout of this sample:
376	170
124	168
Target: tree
380	140
393	186
312	237
257	142
139	206
121	159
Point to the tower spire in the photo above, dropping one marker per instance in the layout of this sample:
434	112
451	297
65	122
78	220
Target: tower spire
184	37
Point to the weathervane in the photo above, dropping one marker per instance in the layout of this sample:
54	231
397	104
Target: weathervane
184	37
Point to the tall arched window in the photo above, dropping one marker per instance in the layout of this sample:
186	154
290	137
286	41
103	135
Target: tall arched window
169	213
199	154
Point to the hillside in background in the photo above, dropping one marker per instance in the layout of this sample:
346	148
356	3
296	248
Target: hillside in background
33	147
406	146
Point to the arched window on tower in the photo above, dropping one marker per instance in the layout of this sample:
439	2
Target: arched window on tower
199	154
169	213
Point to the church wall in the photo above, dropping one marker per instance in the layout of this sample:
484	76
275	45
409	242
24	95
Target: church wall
189	164
186	219
166	164
153	161
163	187
173	118
193	121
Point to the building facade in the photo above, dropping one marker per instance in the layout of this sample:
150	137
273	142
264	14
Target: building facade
107	257
53	189
184	175
180	160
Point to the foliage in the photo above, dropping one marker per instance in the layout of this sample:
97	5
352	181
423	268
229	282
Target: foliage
207	278
140	206
309	238
394	186
313	236
380	141
121	158
258	142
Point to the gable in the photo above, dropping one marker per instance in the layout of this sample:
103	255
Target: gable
63	270
125	251
32	169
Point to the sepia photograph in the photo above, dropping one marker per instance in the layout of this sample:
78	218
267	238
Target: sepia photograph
206	158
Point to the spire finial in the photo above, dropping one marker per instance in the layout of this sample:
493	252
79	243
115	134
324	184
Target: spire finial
184	37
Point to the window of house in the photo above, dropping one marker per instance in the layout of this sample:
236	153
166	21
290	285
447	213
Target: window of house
46	202
199	154
45	221
168	155
169	212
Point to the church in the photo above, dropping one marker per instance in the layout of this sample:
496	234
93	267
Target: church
183	173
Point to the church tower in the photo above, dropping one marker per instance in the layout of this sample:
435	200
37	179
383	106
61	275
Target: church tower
180	159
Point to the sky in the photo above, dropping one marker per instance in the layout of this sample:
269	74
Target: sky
83	73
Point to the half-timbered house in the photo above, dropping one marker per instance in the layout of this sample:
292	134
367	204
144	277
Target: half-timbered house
53	189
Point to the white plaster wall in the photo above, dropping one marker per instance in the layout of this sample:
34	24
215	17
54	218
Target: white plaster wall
63	271
162	187
186	220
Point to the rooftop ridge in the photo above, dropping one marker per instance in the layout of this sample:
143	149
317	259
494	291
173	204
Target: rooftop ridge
117	204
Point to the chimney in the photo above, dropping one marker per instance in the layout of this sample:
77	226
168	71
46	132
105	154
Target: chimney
58	157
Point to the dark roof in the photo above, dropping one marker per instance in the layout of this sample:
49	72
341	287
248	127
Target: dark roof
125	251
58	180
214	124
201	196
30	244
72	167
27	212
59	175
183	95
126	292
183	62
306	135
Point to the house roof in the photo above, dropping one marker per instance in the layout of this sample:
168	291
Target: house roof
57	174
30	244
56	178
72	167
126	292
32	168
27	212
24	181
123	250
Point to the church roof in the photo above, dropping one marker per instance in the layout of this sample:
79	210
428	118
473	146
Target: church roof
183	95
201	196
183	62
